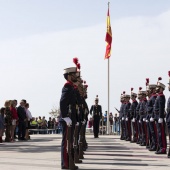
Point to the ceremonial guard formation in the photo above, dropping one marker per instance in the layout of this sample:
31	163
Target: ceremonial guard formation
74	116
146	121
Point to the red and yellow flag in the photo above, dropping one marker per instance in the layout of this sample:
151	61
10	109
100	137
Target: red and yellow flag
108	38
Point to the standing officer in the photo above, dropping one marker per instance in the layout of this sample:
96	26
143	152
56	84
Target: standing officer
68	100
142	112
151	93
159	109
121	118
133	115
97	115
139	140
127	117
168	116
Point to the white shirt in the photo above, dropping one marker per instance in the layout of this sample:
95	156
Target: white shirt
28	114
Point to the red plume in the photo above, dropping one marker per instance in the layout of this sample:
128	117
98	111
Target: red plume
169	73
86	85
78	66
75	61
159	78
140	88
147	80
124	92
131	89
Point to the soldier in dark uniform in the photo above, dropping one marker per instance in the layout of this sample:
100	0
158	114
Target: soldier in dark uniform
97	115
139	140
151	93
168	115
142	112
121	118
68	99
133	115
159	115
127	117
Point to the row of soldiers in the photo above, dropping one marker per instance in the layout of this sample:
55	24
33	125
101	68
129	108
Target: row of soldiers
74	116
144	121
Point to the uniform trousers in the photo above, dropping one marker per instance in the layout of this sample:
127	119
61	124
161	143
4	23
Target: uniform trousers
96	121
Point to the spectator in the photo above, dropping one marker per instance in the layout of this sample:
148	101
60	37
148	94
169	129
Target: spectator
90	123
22	121
54	125
16	128
40	124
50	126
111	121
29	118
44	125
34	125
2	123
8	121
105	119
14	119
115	122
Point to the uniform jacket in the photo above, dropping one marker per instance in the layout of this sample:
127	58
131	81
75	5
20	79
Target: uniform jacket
168	111
68	97
97	111
137	110
121	112
143	108
150	105
133	109
159	106
127	110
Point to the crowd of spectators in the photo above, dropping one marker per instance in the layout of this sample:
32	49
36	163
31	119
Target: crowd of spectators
17	123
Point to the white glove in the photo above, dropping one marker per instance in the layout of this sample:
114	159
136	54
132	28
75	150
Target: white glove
84	121
67	120
139	121
160	120
144	119
77	124
151	119
126	119
147	121
123	118
133	120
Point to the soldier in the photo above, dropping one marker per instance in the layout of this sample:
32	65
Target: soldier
142	113
127	117
121	117
97	115
133	115
151	93
67	103
168	115
159	115
139	140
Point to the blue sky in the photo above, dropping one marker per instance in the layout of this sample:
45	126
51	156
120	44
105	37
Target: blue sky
26	17
39	38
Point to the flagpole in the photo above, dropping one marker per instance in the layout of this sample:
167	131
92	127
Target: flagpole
108	123
108	92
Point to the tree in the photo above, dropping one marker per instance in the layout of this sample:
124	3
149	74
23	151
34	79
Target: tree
55	112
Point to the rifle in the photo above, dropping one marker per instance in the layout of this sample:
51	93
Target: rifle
76	156
117	110
71	161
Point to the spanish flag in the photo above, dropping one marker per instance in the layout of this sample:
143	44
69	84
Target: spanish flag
108	38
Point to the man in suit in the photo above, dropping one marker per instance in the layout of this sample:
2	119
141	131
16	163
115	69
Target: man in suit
96	112
22	120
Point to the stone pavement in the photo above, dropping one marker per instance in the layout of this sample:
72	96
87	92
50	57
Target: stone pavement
42	152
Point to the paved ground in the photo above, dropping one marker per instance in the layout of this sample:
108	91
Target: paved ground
106	153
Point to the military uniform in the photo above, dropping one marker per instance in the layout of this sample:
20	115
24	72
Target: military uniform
127	119
159	111
133	118
96	111
168	116
68	99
